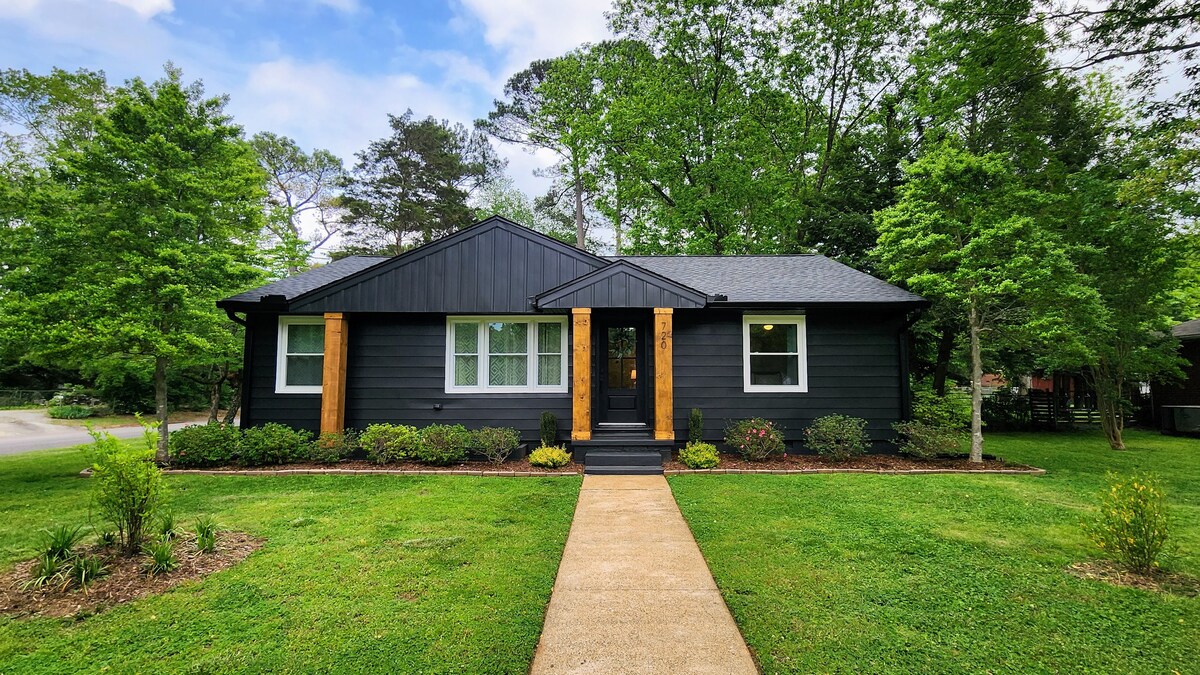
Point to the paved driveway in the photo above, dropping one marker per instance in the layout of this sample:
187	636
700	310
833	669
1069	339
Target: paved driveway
25	430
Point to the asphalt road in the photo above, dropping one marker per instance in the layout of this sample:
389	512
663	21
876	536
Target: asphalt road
25	430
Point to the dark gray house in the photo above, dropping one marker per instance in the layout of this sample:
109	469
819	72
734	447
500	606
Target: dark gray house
496	323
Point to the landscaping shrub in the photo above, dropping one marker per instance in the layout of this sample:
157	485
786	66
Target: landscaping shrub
273	444
1132	525
443	444
699	456
166	527
926	442
549	428
75	395
84	570
838	437
756	439
549	457
59	543
47	570
203	445
206	534
952	411
128	487
1006	411
333	447
386	443
162	557
695	426
69	412
495	443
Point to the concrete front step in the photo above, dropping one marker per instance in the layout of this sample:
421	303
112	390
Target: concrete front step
622	470
622	458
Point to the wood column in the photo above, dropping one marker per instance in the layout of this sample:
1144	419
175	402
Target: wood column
333	377
664	392
581	381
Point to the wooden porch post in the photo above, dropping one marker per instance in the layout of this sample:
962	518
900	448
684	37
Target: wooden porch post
664	393
333	377
581	382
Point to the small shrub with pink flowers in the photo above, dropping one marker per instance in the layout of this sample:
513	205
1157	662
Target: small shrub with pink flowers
756	439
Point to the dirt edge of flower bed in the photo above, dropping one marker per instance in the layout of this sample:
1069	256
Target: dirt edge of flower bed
1158	581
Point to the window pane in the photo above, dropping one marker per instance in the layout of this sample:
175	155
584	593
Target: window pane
621	342
466	371
304	370
775	370
767	337
466	338
508	371
622	372
305	339
508	338
550	370
550	338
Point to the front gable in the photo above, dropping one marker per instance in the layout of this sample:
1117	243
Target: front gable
495	266
621	284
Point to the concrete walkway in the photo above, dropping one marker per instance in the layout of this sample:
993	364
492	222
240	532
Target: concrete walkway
633	593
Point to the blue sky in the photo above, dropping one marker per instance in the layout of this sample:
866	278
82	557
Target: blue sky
325	72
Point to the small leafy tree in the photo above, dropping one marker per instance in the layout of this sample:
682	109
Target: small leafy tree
128	487
1132	526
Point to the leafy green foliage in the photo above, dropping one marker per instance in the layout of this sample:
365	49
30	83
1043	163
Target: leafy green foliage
549	457
85	569
162	557
206	534
927	441
838	437
386	443
272	444
334	447
47	570
59	542
165	527
495	443
205	445
755	439
548	428
1132	526
128	488
443	444
953	410
700	456
695	426
69	412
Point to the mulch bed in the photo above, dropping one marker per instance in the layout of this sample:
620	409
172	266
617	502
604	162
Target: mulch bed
865	463
126	579
517	466
1158	581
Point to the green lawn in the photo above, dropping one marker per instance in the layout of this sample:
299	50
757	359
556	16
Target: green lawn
358	574
947	573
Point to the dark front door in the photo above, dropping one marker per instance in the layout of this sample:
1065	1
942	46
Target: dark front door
622	374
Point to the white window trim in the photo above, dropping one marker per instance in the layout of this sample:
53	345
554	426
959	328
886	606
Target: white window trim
798	320
281	385
531	354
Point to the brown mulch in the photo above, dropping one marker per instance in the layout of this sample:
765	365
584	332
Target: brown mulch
1158	581
515	465
864	463
126	579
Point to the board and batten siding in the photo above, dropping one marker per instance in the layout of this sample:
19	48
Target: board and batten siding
397	374
853	369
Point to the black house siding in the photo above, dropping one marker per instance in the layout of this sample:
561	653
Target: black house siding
396	374
260	403
853	368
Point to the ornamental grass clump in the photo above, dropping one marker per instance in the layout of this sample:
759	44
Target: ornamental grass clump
699	456
756	439
1132	525
838	437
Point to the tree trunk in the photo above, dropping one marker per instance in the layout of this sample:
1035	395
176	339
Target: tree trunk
235	399
160	407
976	389
944	353
1108	400
580	235
214	394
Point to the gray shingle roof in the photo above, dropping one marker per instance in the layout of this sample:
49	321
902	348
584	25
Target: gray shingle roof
299	284
799	279
1188	330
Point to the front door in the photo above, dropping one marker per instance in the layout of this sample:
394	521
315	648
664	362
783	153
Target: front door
622	374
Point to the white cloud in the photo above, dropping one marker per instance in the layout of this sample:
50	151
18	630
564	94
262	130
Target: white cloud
143	8
525	30
348	6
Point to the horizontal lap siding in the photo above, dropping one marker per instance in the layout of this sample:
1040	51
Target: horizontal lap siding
397	374
853	369
301	411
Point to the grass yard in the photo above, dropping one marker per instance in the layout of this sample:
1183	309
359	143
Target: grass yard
948	573
358	574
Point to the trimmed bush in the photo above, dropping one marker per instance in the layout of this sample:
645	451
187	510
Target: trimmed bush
699	456
756	439
549	428
695	426
273	444
495	443
927	442
332	448
127	486
203	445
443	444
952	411
1132	526
549	457
69	412
386	443
838	437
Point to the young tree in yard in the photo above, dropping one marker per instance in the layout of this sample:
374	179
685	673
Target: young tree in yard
412	186
125	249
964	233
302	190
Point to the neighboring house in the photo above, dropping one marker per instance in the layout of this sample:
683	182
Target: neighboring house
1179	403
496	323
